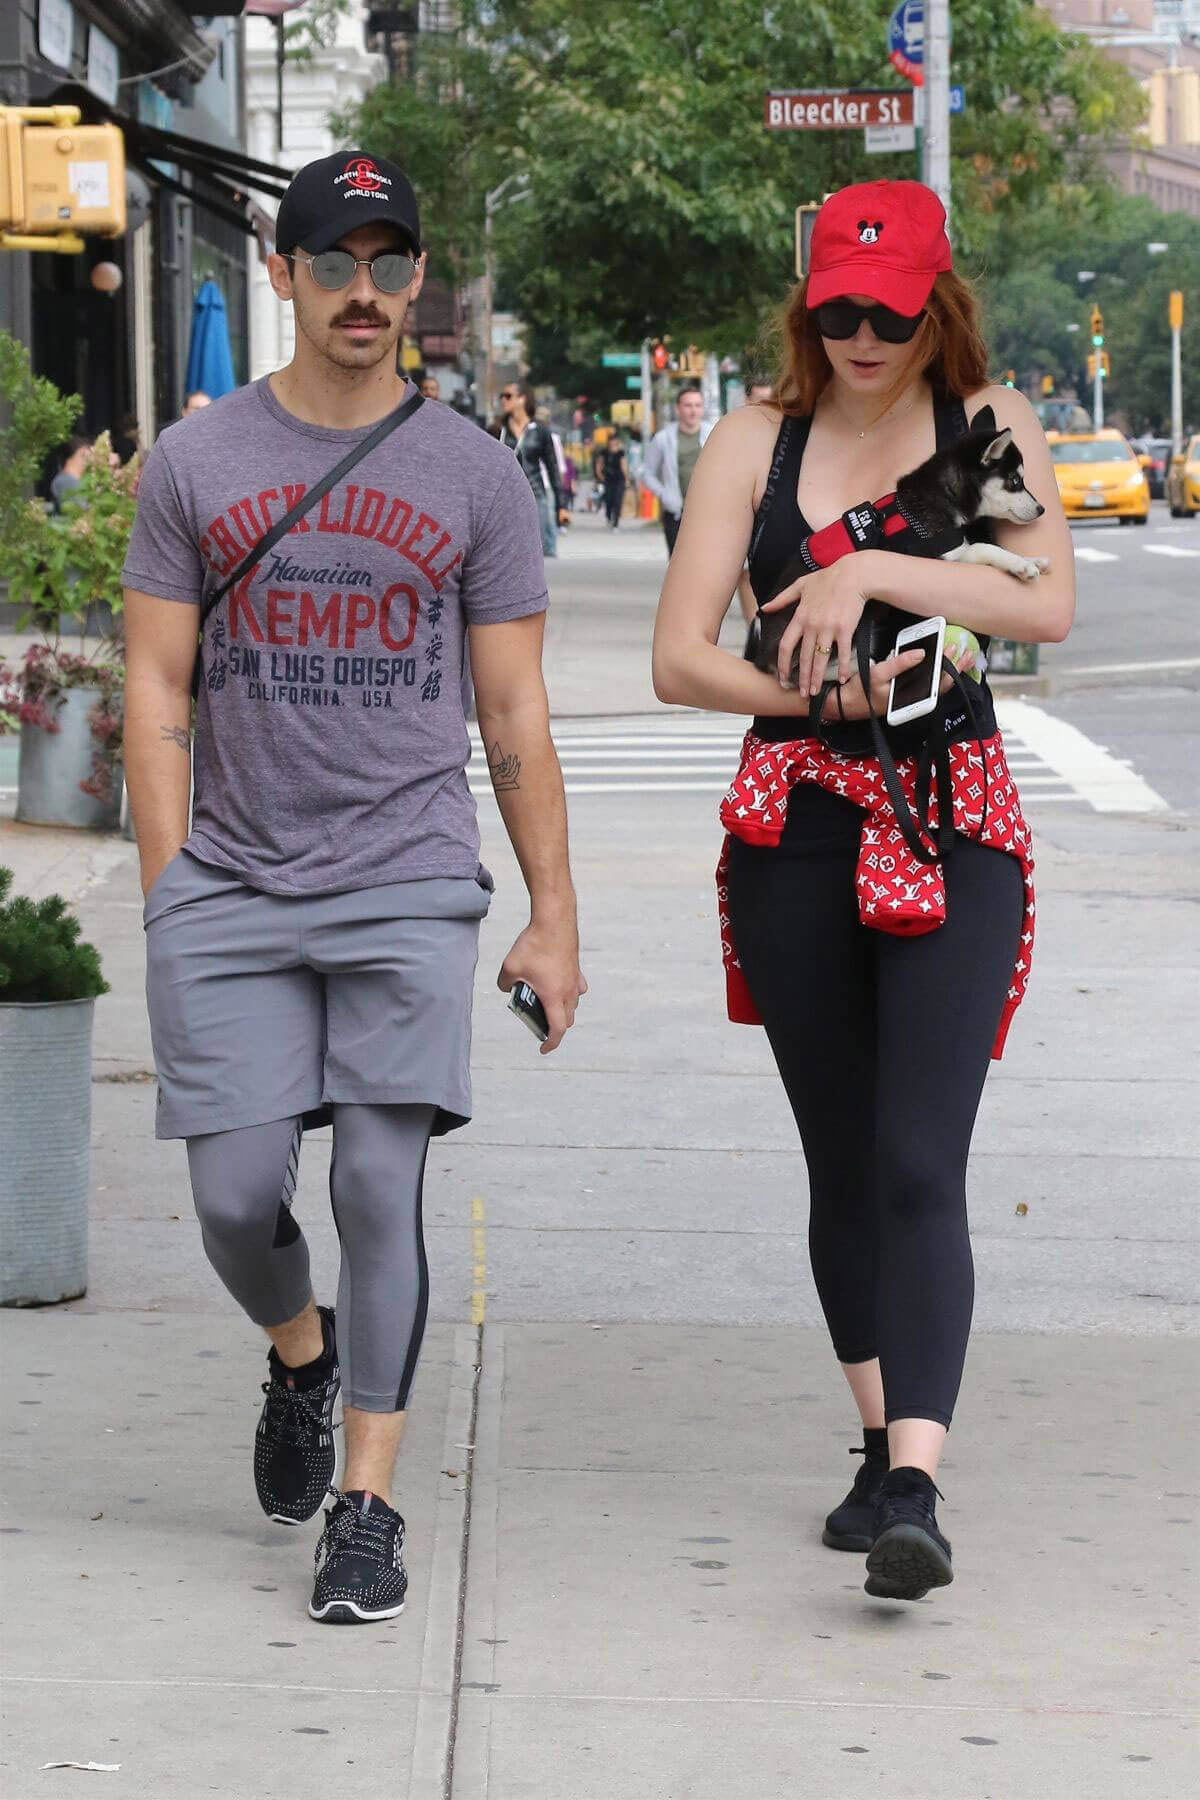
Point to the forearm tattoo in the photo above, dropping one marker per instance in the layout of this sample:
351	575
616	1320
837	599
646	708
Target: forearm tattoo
176	734
504	770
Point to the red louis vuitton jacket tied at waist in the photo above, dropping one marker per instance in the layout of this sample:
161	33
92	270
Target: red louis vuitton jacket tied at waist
896	892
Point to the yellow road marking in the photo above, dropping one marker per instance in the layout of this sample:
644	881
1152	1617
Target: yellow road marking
479	1272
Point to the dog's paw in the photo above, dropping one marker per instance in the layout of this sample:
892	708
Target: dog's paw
1031	567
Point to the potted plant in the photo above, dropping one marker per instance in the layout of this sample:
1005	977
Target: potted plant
49	981
67	704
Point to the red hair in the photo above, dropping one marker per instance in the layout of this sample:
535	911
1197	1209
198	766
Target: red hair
948	347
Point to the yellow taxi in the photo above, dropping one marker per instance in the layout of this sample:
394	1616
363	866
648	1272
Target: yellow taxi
1182	484
1100	476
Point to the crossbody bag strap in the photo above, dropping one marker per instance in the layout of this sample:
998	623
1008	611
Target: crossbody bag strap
308	499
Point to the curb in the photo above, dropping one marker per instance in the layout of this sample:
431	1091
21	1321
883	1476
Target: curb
430	1767
478	1671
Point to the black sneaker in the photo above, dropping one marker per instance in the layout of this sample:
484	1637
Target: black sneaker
850	1526
359	1568
295	1455
909	1555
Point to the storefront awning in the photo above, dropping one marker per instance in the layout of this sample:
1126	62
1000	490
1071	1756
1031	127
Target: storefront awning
223	179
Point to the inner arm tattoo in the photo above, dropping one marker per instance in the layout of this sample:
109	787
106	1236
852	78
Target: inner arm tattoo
505	771
176	734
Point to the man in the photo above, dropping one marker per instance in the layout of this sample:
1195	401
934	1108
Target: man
312	942
613	475
672	457
534	446
64	484
431	387
196	403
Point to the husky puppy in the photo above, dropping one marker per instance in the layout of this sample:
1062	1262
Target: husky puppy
946	505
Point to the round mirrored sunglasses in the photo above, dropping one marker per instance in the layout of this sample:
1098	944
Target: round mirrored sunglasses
391	270
841	319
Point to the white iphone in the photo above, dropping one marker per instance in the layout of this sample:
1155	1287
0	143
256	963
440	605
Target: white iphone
914	692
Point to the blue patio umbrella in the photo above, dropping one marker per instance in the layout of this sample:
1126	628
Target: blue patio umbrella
209	364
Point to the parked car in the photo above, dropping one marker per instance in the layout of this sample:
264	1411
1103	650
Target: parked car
1183	481
1100	476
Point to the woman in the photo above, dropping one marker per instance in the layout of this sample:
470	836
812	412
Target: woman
533	443
882	1041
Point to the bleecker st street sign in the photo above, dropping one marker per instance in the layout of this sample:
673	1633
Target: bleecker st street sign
847	109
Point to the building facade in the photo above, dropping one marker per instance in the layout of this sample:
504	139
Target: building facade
163	67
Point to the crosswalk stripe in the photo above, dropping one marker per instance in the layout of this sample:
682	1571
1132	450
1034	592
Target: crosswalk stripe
1169	550
1053	762
1089	553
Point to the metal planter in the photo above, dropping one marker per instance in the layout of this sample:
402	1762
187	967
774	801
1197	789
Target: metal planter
45	1128
53	763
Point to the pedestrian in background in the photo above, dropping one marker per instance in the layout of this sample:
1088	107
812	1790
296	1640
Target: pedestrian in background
672	456
533	442
69	476
613	473
882	1040
431	387
195	402
311	944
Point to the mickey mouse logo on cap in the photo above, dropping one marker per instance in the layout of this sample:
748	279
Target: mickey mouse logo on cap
867	233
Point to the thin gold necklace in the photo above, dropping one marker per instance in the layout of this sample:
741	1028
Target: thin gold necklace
886	418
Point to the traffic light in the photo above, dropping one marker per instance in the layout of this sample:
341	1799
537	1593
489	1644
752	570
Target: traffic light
660	356
1047	384
1010	378
1097	327
1091	364
58	178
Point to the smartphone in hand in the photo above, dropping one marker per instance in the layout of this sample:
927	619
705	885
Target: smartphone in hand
529	1009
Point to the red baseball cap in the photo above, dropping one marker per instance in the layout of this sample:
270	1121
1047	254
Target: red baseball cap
883	238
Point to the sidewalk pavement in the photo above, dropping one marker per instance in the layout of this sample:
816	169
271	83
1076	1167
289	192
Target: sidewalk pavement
627	1425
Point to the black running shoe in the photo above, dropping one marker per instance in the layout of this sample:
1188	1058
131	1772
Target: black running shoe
359	1569
295	1455
909	1555
850	1526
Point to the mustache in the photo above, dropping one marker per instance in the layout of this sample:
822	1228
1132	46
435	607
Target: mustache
357	317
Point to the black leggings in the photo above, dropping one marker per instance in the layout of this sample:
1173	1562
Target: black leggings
883	1044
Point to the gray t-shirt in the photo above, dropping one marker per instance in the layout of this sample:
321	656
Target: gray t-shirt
331	747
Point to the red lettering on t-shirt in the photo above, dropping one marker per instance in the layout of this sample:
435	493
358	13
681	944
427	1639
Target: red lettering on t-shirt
439	577
264	511
242	514
239	602
395	525
325	522
398	589
360	612
369	513
412	541
426	561
323	625
228	546
291	495
279	621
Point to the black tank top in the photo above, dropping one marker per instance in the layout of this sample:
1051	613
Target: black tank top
779	526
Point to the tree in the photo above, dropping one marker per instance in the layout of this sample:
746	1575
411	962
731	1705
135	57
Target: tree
658	200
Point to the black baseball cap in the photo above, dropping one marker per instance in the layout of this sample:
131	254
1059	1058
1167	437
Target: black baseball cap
326	199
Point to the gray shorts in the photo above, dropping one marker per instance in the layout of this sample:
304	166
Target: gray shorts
265	1005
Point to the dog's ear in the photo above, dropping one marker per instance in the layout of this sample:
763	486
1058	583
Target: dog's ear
984	420
998	446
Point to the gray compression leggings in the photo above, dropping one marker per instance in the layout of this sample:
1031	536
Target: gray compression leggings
243	1183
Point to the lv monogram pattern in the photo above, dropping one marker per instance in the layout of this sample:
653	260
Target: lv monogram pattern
896	893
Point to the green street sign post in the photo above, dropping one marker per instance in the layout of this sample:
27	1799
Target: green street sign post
621	359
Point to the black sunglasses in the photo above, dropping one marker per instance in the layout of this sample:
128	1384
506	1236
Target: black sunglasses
841	319
391	270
